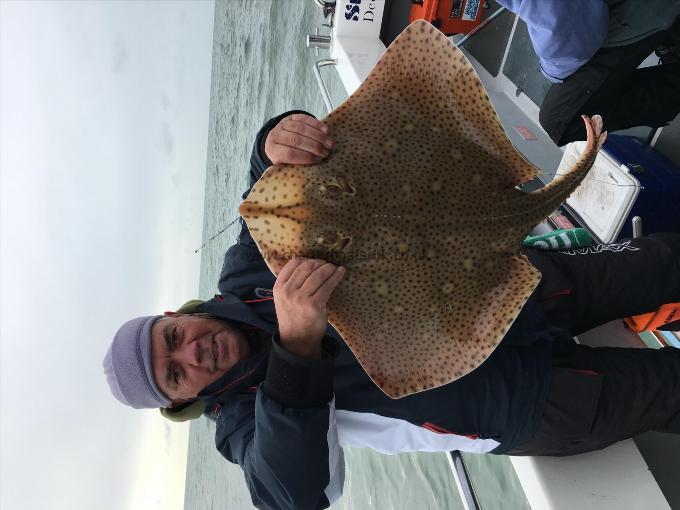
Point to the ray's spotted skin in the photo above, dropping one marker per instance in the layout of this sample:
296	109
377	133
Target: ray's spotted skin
418	201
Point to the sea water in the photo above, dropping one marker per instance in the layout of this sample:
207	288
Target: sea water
261	68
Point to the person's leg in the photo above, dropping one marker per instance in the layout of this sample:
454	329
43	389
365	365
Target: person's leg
649	97
599	396
610	85
586	287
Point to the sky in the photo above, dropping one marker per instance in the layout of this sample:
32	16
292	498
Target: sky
103	143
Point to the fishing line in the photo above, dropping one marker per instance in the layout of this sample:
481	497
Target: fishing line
213	237
592	179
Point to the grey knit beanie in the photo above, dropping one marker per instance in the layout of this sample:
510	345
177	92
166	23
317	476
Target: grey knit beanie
127	366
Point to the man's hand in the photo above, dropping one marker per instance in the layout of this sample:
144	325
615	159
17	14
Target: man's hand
301	292
298	140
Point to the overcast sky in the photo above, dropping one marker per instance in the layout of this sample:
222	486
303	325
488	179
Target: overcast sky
104	117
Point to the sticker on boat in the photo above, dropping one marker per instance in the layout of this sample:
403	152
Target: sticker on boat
471	10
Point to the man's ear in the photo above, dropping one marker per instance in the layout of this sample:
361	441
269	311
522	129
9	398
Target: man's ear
171	314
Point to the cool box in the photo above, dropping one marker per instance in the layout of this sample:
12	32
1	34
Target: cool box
628	180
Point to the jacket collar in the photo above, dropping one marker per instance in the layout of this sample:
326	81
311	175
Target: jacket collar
249	372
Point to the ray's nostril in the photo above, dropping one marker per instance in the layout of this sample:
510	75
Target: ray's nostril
344	243
346	185
330	238
331	191
334	241
337	186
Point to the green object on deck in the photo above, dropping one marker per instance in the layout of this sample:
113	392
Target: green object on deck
560	239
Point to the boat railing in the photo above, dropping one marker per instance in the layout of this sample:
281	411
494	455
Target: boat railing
325	95
463	481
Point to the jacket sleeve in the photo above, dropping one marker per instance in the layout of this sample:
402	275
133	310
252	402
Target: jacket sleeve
259	161
285	437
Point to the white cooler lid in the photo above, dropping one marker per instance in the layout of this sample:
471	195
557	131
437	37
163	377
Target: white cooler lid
605	197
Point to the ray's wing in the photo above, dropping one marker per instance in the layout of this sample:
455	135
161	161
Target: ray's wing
424	87
435	330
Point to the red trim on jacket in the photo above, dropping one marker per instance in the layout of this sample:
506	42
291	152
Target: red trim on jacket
584	371
233	383
561	292
441	430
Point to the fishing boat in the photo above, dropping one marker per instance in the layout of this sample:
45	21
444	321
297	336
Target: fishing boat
639	473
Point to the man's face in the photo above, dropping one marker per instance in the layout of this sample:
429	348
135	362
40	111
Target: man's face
188	353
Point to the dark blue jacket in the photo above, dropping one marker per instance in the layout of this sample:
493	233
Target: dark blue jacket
284	419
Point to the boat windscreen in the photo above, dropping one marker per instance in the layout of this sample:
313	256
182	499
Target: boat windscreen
487	45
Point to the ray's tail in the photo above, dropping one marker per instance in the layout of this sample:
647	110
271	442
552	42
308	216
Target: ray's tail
555	193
